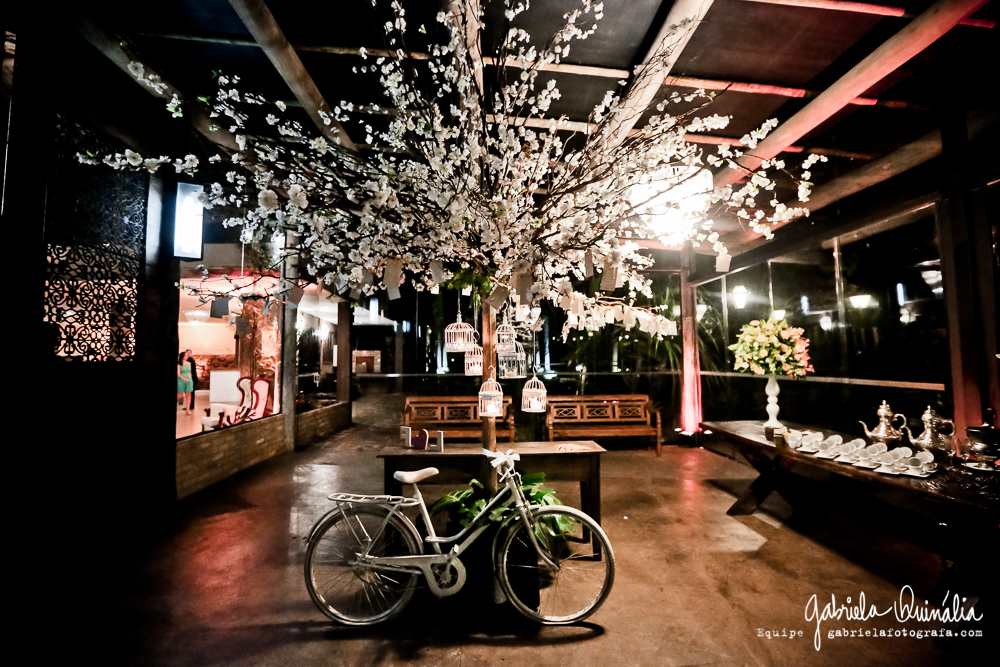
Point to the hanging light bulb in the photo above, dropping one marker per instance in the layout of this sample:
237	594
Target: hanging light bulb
534	395
490	398
740	296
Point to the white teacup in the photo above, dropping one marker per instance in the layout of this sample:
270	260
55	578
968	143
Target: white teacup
925	457
929	466
836	439
887	459
794	439
914	464
907	452
864	456
874	451
858	443
897	454
825	446
880	447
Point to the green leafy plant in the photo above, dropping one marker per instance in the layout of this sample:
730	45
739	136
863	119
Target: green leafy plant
465	504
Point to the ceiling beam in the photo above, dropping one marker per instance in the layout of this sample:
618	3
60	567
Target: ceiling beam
585	128
667	47
916	153
751	88
866	8
895	52
118	51
268	35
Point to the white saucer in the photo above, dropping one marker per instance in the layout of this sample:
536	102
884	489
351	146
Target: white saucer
975	466
866	465
885	470
916	474
845	459
808	450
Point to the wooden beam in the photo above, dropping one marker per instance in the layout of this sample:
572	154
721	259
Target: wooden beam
118	51
586	128
268	35
866	8
668	45
922	150
750	88
895	52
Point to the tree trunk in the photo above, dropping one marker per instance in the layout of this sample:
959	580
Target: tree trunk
489	362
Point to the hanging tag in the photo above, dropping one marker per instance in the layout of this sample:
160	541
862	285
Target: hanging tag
722	263
609	278
609	315
629	319
294	295
367	277
355	294
671	328
435	290
340	283
220	308
242	326
588	264
467	291
438	274
521	313
619	278
497	297
578	307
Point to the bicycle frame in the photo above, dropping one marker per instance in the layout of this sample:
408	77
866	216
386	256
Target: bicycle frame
425	564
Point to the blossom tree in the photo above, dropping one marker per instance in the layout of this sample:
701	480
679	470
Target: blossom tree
472	173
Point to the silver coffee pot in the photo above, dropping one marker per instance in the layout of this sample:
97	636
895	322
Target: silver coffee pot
885	432
932	439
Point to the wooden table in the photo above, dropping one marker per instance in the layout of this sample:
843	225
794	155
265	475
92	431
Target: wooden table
567	461
945	487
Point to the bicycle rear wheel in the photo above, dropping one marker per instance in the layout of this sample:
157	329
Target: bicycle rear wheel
584	572
346	590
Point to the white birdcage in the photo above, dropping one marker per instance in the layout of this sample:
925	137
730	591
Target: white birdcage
505	338
490	398
512	365
533	396
474	361
459	337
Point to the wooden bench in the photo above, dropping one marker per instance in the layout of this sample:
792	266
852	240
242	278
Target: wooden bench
609	415
457	416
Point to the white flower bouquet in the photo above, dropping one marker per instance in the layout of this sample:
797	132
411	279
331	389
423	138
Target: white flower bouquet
771	348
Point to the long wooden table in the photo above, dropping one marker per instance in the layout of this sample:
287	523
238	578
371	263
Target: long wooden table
959	489
567	461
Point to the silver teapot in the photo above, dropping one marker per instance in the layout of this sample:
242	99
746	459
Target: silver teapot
932	439
984	443
885	432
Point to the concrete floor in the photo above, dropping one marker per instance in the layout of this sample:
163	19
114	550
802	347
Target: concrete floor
222	584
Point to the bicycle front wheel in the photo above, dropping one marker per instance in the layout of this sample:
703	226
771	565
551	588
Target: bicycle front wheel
583	572
347	590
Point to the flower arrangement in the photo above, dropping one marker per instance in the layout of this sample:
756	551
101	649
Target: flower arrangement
771	348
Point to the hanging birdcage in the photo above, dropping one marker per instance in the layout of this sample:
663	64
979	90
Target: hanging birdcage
474	361
512	365
490	398
505	338
533	396
459	337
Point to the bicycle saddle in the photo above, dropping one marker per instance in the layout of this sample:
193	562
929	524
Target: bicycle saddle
415	476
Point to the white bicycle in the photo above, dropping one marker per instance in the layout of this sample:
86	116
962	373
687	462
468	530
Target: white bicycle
365	558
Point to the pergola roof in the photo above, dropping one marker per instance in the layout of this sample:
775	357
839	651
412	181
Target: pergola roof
765	59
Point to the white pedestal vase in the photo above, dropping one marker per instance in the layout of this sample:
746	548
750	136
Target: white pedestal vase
772	391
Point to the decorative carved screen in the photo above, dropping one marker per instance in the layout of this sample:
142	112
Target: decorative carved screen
95	235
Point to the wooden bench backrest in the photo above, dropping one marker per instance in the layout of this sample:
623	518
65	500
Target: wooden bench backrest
453	409
632	408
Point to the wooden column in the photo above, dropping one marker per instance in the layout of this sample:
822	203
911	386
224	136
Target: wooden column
289	378
344	321
690	375
957	236
489	359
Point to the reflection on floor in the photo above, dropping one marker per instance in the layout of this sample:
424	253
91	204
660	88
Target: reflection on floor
190	423
221	582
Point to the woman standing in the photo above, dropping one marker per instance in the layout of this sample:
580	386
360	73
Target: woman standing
185	383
